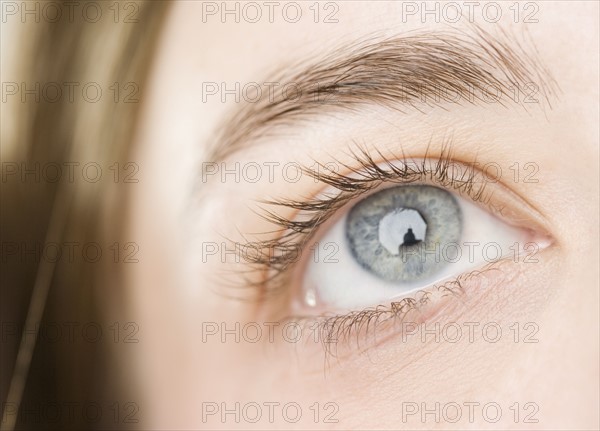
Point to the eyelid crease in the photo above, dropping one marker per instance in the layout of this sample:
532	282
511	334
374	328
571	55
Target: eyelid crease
439	167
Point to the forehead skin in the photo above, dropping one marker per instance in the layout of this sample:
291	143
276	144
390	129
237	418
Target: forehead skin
176	132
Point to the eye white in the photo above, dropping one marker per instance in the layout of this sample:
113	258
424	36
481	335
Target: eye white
335	279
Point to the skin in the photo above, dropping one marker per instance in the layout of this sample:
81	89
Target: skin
172	292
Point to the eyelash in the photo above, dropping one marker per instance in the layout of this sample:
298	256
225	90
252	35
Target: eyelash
275	258
331	330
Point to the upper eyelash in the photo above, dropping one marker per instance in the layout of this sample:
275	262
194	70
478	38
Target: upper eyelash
276	256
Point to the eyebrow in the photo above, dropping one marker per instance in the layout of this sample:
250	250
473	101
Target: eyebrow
402	72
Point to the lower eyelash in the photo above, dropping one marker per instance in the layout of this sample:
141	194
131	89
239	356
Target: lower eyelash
359	325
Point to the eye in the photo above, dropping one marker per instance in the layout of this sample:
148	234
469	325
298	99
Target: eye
380	232
399	240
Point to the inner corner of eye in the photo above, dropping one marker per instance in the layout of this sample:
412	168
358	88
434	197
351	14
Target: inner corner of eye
400	240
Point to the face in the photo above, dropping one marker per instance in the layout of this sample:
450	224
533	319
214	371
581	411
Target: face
369	216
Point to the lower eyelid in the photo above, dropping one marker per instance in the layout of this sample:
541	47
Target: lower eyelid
340	335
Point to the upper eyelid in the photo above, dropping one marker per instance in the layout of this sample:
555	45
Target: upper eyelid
475	183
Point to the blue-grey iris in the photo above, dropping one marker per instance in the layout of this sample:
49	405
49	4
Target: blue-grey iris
395	233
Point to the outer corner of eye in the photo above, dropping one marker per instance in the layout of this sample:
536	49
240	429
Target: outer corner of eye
400	240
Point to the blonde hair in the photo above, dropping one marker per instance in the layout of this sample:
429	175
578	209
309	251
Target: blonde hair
35	211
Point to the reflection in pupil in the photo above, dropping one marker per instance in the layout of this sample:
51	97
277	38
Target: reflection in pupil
409	238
